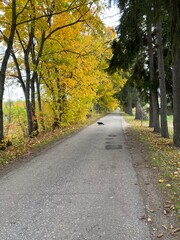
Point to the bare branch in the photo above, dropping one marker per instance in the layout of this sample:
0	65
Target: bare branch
6	39
18	71
80	19
19	37
48	15
61	27
23	8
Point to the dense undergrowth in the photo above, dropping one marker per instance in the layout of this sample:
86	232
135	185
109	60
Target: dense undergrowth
162	155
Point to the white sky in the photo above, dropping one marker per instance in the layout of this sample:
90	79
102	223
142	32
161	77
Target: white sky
111	16
13	92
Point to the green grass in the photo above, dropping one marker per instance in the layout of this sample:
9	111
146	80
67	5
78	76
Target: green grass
162	155
170	119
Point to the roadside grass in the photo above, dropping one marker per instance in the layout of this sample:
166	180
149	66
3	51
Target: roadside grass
24	147
163	156
170	119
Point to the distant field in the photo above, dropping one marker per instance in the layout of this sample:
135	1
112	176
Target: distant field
145	123
170	120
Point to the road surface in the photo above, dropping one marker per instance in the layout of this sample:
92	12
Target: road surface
83	188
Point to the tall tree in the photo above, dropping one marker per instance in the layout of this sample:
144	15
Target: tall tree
174	7
154	106
8	39
171	9
131	46
162	80
39	23
78	54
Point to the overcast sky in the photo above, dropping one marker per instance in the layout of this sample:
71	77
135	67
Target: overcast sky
111	16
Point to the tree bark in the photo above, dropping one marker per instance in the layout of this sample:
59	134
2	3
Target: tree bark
155	107
5	59
129	103
34	79
150	112
154	96
138	114
41	117
162	81
176	96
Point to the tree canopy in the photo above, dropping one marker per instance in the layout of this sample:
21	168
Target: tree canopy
58	52
148	49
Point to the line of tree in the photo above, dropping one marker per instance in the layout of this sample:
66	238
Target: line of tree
148	49
56	51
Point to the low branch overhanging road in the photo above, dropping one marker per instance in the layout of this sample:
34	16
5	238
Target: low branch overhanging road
84	188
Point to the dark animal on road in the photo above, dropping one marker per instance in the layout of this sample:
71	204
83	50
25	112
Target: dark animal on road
100	123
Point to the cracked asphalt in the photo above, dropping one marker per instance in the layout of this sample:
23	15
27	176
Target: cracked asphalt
83	188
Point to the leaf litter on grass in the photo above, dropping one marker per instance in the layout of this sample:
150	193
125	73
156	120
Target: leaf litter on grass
163	156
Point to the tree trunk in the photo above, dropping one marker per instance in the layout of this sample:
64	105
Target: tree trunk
154	96
38	93
28	112
155	107
129	105
1	111
138	114
27	94
162	81
33	108
176	96
34	79
5	59
60	98
150	112
41	118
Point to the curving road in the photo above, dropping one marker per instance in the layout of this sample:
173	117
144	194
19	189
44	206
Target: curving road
83	188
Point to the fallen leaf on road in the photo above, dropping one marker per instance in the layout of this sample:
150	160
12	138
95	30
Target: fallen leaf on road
168	207
143	217
149	209
165	227
171	226
160	235
176	230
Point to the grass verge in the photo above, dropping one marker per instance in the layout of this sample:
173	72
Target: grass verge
162	155
24	147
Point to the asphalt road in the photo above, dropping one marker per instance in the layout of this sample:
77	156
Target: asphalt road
83	188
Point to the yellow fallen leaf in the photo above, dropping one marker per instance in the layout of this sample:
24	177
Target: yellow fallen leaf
161	180
168	185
